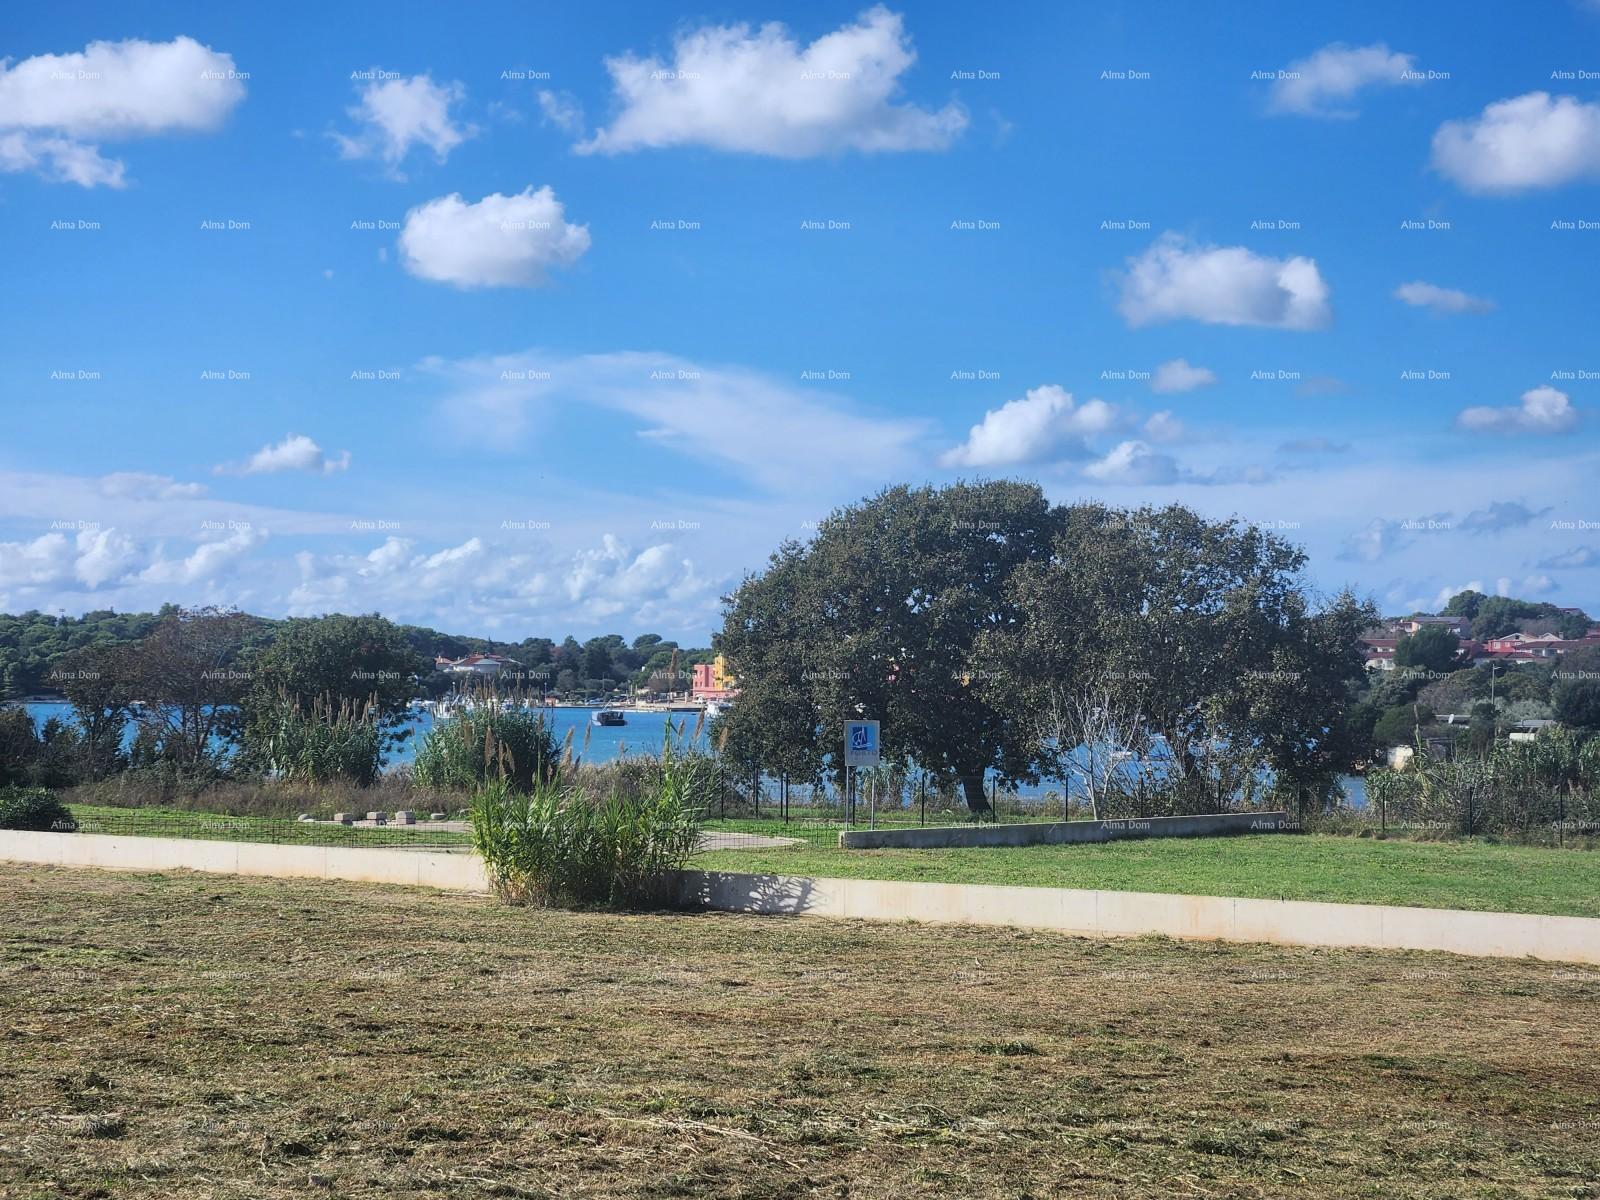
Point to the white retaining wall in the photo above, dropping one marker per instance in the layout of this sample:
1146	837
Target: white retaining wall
1092	913
415	868
1129	914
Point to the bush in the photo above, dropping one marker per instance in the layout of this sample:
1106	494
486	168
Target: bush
35	809
485	745
556	845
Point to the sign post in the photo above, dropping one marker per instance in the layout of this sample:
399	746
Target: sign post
861	749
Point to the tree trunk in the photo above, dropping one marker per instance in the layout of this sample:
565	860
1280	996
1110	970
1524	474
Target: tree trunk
972	789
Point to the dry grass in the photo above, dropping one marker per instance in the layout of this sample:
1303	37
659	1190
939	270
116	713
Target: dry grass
202	1037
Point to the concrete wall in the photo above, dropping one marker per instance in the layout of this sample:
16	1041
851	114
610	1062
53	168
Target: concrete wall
1054	833
1093	913
415	868
1128	914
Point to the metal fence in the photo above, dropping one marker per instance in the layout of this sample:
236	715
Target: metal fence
134	822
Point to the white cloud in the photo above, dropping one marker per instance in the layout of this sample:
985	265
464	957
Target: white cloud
88	559
206	562
60	160
759	92
1164	427
778	435
1314	86
500	241
1222	285
54	108
563	111
1134	463
1179	376
136	485
296	452
1440	300
499	586
1529	141
1542	410
398	114
1043	424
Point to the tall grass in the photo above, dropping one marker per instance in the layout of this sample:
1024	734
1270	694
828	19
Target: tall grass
484	745
328	742
556	844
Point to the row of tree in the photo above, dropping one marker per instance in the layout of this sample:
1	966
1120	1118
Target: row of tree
33	645
993	633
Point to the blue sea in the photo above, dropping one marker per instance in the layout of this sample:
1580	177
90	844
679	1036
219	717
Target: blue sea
643	734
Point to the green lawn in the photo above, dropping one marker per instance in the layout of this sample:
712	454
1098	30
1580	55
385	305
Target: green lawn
1471	875
181	823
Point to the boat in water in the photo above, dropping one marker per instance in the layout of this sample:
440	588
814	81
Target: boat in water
609	716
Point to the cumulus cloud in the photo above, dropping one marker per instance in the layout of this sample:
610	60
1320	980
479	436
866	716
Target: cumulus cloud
1544	410
760	92
499	241
86	560
1134	462
397	114
208	561
1176	279
494	583
1531	141
1316	86
1045	423
55	108
1179	376
296	452
1439	299
1164	427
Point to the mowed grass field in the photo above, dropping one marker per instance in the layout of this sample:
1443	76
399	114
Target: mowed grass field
195	1036
183	823
1478	875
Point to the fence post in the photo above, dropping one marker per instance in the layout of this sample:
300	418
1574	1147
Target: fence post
994	800
922	789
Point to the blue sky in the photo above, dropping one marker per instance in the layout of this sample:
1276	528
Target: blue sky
472	386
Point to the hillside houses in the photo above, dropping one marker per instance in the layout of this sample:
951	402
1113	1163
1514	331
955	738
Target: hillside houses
1379	644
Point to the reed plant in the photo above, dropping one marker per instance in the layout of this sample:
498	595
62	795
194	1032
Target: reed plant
328	742
485	744
559	845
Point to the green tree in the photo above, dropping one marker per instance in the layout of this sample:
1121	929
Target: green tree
1575	697
1464	604
333	664
1430	648
99	681
888	601
187	673
1398	725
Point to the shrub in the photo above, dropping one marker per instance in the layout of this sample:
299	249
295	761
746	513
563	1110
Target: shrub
34	809
555	845
486	744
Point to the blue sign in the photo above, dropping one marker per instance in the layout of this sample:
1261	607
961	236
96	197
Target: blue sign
861	743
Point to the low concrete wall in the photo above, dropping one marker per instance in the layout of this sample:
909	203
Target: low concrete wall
415	868
1093	913
1055	833
1129	914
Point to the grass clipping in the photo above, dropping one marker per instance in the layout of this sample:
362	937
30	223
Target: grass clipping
556	845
